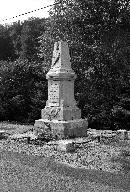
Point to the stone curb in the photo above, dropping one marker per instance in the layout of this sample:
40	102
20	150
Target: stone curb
69	145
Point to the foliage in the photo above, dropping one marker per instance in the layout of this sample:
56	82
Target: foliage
23	90
46	45
30	32
7	51
98	36
25	35
22	77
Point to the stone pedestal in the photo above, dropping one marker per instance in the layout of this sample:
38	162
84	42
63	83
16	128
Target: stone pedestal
63	129
61	115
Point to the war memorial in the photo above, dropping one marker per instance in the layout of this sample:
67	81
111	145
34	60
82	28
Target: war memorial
61	114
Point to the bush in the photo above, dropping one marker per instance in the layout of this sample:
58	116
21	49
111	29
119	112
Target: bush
23	91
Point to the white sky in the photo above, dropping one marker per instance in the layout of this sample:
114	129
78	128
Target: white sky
11	8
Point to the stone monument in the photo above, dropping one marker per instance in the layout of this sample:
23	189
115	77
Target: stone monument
61	115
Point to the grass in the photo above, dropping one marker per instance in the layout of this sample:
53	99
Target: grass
110	157
15	128
24	173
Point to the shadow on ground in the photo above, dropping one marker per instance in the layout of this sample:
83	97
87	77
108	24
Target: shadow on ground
100	180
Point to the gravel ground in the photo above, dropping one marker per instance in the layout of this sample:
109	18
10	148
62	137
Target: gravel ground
23	173
92	155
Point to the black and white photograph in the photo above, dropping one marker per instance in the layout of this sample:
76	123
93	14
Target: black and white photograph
65	96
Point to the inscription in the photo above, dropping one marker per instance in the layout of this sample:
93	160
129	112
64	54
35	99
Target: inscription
54	94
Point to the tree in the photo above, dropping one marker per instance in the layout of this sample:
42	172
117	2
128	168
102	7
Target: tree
23	90
31	30
6	46
46	45
99	42
15	35
22	75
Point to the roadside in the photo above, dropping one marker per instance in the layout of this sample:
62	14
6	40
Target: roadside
96	161
28	173
45	157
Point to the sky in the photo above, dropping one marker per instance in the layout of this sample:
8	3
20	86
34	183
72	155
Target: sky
11	8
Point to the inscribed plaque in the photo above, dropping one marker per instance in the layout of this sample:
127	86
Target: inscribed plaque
53	93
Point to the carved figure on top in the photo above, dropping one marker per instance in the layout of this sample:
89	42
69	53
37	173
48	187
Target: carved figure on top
61	57
56	55
61	65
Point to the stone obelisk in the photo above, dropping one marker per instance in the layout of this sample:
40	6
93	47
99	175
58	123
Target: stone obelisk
61	114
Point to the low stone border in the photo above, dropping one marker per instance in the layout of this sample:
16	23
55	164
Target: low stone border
69	145
119	134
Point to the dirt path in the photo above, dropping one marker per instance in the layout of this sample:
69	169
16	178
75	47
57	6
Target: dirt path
20	172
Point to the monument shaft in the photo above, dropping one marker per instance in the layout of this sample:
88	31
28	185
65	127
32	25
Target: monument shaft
61	112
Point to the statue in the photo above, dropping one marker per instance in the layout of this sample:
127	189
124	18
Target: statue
56	54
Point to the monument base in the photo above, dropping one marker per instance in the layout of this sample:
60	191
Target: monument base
64	129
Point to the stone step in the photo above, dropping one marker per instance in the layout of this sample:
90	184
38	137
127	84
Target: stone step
69	145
